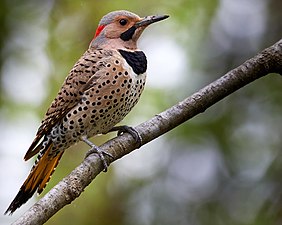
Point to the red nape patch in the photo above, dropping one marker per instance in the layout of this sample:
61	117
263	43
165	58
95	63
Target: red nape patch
98	31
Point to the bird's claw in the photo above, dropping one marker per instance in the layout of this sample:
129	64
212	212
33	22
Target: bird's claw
126	129
101	153
96	150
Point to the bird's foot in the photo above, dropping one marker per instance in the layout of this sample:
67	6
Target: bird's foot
126	129
95	149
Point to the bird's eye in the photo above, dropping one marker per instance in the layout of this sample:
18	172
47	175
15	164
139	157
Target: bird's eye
123	22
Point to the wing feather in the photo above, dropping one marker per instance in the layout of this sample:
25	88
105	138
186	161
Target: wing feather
86	71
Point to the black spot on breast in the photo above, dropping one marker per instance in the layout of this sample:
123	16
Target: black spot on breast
137	60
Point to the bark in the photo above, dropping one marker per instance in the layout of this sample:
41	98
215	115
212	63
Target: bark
267	62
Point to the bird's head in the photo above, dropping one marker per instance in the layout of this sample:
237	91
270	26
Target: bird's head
121	30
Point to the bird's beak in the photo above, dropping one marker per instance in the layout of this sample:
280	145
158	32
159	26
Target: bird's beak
142	24
149	20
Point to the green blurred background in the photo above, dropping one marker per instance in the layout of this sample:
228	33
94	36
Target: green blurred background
222	167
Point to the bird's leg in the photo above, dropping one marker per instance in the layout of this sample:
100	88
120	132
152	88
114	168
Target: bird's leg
126	129
97	150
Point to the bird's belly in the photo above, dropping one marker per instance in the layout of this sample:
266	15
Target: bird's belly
112	111
99	111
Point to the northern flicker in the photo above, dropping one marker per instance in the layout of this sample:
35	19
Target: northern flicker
100	90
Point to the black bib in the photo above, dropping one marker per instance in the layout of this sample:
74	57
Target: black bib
137	60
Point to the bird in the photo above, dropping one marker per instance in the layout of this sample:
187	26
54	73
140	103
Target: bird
99	91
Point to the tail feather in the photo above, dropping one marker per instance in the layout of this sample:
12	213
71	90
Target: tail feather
37	179
33	150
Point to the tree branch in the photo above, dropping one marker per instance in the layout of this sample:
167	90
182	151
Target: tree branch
67	190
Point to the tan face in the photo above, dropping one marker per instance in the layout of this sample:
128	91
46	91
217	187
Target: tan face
121	24
121	30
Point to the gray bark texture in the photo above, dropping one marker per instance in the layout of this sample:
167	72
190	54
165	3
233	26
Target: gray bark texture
267	62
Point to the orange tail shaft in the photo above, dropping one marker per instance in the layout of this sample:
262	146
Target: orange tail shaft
37	179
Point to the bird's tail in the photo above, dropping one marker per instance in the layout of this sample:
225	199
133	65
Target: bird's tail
38	177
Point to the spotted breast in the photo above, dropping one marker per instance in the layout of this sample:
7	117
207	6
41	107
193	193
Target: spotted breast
108	96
